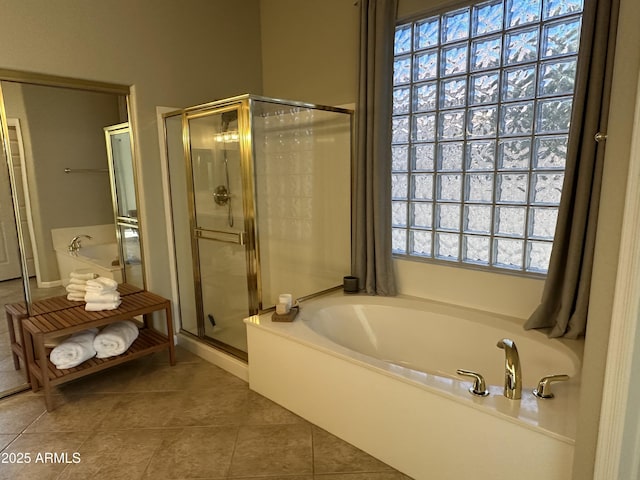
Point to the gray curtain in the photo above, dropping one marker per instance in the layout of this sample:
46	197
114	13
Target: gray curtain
565	300
371	203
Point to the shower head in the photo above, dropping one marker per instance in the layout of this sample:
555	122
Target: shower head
227	118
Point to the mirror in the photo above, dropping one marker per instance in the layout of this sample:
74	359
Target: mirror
59	171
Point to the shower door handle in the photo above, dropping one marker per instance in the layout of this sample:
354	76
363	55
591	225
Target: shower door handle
220	236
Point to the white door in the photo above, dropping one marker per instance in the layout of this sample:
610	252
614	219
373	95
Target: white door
9	253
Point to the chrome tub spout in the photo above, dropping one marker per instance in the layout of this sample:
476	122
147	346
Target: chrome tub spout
74	244
512	371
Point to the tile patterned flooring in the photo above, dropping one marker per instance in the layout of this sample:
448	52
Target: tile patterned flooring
147	420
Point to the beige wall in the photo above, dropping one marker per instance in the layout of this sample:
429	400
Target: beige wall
172	53
309	50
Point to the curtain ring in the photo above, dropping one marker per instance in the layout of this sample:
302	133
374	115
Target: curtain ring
600	137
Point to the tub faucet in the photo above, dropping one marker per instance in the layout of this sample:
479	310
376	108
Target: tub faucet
512	372
75	244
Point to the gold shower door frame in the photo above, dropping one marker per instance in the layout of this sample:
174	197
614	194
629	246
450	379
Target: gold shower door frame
122	221
248	236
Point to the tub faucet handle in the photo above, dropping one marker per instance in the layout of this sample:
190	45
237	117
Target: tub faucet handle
544	385
479	387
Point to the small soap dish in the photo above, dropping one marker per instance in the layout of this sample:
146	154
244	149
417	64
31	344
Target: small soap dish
287	317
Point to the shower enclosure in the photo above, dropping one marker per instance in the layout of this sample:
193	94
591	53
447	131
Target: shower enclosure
260	193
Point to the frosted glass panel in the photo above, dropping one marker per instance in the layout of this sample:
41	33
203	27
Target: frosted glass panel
514	154
509	253
561	38
487	18
447	246
476	250
402	71
402	42
521	12
521	46
454	60
427	33
303	184
477	219
486	53
421	243
401	99
455	25
484	88
422	187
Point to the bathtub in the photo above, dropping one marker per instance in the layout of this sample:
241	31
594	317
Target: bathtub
98	258
380	373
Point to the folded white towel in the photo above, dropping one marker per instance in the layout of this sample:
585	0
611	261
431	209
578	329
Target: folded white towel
75	296
102	285
76	281
107	297
98	307
74	350
115	339
72	287
83	276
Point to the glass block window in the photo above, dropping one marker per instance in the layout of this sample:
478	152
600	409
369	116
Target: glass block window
482	105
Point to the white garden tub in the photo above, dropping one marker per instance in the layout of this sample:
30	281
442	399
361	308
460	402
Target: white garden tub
100	259
381	374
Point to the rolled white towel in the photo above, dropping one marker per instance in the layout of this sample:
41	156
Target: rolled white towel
115	339
72	287
98	307
75	296
83	276
107	297
102	285
74	350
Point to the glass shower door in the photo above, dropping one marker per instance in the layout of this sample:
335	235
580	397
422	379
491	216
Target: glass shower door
218	228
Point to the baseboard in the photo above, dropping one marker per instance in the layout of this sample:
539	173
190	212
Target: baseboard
232	365
55	283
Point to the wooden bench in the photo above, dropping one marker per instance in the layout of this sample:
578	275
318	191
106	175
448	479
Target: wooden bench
38	329
17	312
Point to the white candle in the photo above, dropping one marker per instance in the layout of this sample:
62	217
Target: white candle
287	299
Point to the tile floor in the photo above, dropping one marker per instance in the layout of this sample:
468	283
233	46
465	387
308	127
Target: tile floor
147	420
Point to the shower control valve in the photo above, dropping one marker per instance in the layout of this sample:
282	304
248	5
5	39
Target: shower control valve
479	387
221	195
